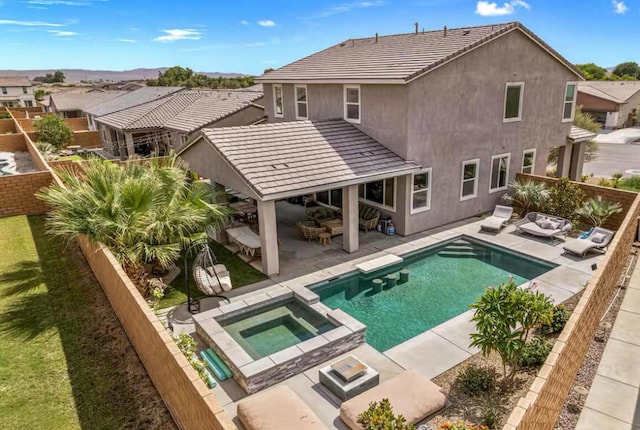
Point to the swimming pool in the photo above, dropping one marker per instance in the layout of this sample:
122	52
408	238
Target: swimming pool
443	282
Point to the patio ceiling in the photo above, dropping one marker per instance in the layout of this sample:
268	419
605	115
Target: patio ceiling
275	161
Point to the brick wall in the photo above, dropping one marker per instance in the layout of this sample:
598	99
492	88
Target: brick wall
624	197
543	403
7	126
38	160
18	193
189	401
12	142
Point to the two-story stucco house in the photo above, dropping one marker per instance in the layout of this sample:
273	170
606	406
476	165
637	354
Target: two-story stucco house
16	91
427	127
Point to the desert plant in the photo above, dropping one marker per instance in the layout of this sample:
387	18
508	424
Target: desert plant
527	194
188	346
565	197
380	416
535	352
504	316
461	426
490	412
598	210
615	179
603	182
53	130
558	321
476	379
48	151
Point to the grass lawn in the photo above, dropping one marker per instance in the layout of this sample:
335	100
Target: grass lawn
65	360
241	274
71	158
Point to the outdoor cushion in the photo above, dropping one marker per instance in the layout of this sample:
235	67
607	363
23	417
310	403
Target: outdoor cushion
554	225
598	238
543	223
277	409
410	394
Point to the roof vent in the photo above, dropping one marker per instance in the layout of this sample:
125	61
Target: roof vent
366	153
376	37
280	166
466	32
416	24
445	31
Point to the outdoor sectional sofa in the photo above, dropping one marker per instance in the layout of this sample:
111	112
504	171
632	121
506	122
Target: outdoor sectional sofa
543	225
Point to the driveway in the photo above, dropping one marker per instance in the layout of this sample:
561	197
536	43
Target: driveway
622	136
614	156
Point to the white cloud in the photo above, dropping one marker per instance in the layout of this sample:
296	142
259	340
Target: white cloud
244	22
63	33
346	7
29	23
58	2
179	34
485	8
619	7
266	23
126	40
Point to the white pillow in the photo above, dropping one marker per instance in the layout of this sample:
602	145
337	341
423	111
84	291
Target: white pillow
554	225
543	223
598	238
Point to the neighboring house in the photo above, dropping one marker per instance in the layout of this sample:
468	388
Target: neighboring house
427	127
16	91
73	104
612	103
169	122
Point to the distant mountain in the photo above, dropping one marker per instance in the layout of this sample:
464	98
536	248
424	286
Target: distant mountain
77	75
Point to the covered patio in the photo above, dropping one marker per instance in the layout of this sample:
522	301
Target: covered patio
271	163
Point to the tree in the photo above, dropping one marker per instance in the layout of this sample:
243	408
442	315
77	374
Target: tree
504	317
58	76
630	68
592	72
145	214
565	197
53	130
180	76
40	94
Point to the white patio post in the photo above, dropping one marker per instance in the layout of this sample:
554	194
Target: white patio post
268	237
131	148
350	218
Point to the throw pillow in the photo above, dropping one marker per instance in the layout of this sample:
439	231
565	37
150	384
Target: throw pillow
543	223
554	225
598	238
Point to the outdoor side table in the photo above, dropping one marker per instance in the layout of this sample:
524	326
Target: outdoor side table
348	377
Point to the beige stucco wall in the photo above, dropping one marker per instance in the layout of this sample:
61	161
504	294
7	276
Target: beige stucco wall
456	114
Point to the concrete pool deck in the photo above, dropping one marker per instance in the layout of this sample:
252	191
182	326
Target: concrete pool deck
450	339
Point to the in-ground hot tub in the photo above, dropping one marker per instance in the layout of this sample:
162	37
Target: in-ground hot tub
272	336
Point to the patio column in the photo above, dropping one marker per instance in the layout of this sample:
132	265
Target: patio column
268	237
350	218
577	161
131	148
564	160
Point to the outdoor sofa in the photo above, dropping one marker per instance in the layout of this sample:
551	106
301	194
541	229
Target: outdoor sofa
410	394
277	409
319	214
543	225
597	240
500	218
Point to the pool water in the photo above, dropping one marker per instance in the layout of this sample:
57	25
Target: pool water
272	330
443	282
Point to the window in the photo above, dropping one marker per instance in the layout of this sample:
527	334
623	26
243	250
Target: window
24	90
499	172
569	106
513	101
379	193
469	188
352	103
331	198
528	161
301	102
278	104
28	103
421	191
4	90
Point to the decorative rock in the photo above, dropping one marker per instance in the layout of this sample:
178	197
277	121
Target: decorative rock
391	281
377	285
404	276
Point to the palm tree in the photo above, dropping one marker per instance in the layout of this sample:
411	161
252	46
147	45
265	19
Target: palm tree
144	212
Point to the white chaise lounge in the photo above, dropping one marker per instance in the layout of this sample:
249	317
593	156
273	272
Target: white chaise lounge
500	218
598	240
544	225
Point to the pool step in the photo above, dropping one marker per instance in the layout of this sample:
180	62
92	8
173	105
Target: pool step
461	249
462	254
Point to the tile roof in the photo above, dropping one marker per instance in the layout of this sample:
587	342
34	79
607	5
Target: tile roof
617	91
216	105
578	134
293	157
397	58
131	99
14	81
69	101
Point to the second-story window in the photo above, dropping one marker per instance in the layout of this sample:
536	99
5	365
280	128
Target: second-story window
301	102
4	90
278	103
513	96
24	90
352	103
569	107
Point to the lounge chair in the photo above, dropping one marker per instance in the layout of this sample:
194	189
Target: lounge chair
246	239
410	394
310	232
543	225
500	218
277	409
368	217
598	240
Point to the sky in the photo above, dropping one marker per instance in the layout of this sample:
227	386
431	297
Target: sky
248	36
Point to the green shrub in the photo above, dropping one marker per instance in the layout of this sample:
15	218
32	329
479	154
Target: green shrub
615	179
565	197
53	130
559	320
475	380
535	352
604	182
380	416
632	183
